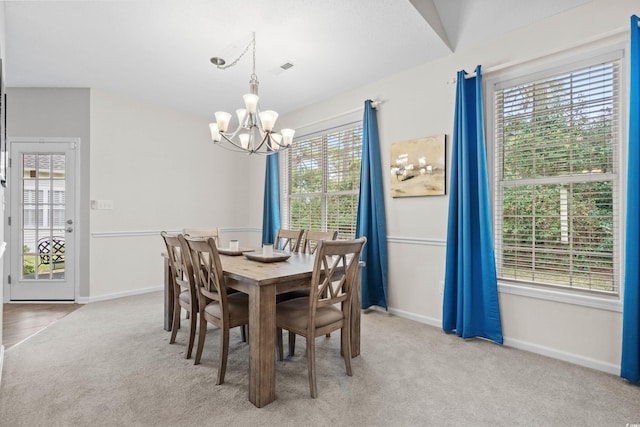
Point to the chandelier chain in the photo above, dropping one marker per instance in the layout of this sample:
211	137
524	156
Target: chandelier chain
244	52
253	73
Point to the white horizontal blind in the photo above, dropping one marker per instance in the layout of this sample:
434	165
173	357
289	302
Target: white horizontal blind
557	179
323	180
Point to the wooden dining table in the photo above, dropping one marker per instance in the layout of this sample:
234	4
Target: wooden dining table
262	281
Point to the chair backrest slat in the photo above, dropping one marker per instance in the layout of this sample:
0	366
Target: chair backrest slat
311	239
207	267
203	232
181	269
288	240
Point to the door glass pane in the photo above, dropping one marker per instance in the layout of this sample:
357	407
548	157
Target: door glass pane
58	166
41	192
44	166
43	216
29	166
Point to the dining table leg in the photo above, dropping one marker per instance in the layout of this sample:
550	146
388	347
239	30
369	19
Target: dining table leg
262	335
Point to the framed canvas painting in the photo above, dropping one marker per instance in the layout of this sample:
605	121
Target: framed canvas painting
418	167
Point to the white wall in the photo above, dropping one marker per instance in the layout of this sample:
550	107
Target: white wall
161	171
420	102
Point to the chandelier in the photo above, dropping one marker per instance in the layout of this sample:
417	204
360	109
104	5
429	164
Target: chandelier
255	133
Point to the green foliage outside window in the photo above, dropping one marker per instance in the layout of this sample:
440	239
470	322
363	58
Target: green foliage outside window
558	181
324	174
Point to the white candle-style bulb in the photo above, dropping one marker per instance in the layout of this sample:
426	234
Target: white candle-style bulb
268	119
244	140
222	119
251	102
215	134
240	113
287	136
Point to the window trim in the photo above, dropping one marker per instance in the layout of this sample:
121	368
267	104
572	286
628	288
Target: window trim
569	61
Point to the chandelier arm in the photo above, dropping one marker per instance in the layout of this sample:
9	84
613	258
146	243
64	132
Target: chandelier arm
232	142
234	133
234	149
274	141
264	140
238	149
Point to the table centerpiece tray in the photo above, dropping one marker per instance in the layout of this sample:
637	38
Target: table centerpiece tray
234	252
277	256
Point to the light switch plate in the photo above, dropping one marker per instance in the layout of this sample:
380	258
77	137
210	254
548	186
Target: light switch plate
102	204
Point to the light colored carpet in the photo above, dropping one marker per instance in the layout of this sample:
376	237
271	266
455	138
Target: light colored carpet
110	364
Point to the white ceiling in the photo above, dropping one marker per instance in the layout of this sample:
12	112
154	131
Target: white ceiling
159	50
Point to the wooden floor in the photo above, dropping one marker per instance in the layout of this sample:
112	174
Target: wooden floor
20	321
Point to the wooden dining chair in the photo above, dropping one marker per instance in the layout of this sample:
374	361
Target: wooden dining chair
288	240
215	305
328	306
309	244
215	233
184	288
203	232
311	239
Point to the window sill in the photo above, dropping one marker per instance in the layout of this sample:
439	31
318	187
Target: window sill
602	303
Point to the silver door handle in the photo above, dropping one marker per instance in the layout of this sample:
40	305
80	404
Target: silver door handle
69	229
69	221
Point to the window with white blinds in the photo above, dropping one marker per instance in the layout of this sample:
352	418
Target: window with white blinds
556	182
322	181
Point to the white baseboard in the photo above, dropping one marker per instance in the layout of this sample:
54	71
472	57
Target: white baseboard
563	355
524	345
418	318
86	300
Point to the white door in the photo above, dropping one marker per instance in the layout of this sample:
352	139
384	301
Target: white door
42	195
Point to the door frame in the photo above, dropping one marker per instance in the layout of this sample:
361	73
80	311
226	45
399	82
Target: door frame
7	213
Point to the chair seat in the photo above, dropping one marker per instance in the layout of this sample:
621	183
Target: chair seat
185	297
294	314
238	308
